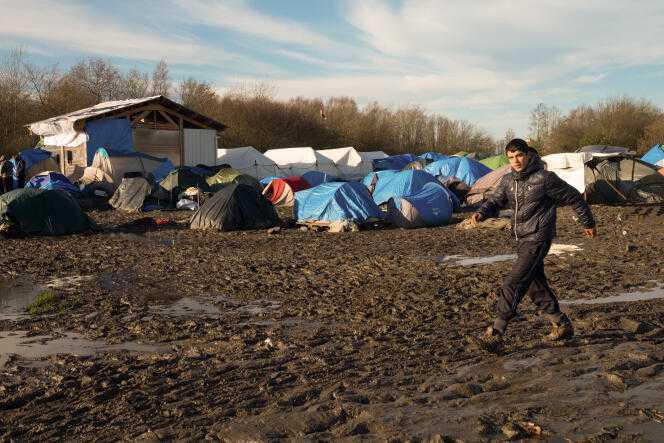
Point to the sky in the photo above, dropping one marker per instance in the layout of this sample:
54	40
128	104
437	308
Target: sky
488	62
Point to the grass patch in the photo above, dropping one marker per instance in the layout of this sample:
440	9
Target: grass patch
45	303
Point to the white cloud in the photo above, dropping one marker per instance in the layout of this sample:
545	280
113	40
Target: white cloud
589	78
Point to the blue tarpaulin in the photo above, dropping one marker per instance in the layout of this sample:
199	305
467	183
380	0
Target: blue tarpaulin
32	156
431	205
465	169
655	156
113	134
336	201
315	178
163	170
432	156
52	180
398	184
393	162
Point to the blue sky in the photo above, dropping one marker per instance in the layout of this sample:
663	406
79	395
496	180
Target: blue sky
489	62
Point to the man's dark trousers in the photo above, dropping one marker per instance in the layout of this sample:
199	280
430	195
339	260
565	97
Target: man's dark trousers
527	277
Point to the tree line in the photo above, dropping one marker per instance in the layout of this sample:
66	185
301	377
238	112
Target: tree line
30	92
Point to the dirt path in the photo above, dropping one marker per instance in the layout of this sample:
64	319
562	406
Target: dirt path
248	336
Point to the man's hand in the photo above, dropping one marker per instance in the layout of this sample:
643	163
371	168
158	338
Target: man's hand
474	219
590	232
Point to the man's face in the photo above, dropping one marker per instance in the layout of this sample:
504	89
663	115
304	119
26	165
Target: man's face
517	160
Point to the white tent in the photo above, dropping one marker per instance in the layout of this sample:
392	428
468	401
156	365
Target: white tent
570	167
347	160
248	161
297	161
366	166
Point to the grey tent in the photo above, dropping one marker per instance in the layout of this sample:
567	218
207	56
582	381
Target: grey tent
131	194
235	207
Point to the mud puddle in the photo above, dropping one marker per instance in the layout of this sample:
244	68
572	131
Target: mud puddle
651	294
40	346
462	260
214	307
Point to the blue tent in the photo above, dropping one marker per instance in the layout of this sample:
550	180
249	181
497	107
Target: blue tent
113	134
393	162
465	169
431	205
315	178
655	156
432	156
266	180
398	184
335	201
163	170
52	180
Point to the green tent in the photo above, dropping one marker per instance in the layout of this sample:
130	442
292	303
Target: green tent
40	212
182	178
495	162
228	176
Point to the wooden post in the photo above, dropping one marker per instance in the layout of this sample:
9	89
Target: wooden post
181	140
62	160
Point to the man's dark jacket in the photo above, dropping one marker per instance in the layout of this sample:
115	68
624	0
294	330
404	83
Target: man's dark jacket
534	194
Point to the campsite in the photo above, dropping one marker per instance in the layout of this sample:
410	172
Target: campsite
403	221
316	294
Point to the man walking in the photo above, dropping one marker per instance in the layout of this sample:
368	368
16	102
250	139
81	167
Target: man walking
534	194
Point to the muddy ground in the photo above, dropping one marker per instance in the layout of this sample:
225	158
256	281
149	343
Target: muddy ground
179	334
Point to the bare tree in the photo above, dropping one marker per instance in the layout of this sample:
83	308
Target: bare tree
135	84
543	120
161	80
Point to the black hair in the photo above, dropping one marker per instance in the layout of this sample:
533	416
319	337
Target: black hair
517	144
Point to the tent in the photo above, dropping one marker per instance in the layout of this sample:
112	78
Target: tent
248	161
655	156
37	160
228	175
417	164
609	178
110	167
281	191
235	207
182	178
336	201
465	169
315	178
485	185
297	161
131	194
430	205
266	180
397	184
38	212
347	161
366	166
603	149
495	162
471	155
393	162
52	180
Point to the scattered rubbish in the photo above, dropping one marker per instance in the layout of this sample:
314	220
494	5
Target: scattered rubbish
652	294
185	203
39	346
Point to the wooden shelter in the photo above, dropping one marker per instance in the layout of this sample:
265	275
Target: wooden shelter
159	126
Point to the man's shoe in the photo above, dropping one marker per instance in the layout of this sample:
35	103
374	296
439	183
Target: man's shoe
491	340
561	330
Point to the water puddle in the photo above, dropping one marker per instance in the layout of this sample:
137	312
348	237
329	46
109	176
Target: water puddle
40	346
462	260
18	293
213	307
651	294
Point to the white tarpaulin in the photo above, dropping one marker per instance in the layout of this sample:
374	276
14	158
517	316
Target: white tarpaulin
367	160
248	161
66	139
570	167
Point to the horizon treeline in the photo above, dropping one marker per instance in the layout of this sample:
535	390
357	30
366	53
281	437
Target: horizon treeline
30	92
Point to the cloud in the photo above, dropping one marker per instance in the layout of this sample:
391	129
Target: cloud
589	78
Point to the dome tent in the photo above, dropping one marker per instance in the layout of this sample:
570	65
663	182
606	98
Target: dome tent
393	162
655	156
465	169
391	184
235	207
52	180
38	212
131	194
228	175
495	162
336	201
315	178
431	205
281	191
